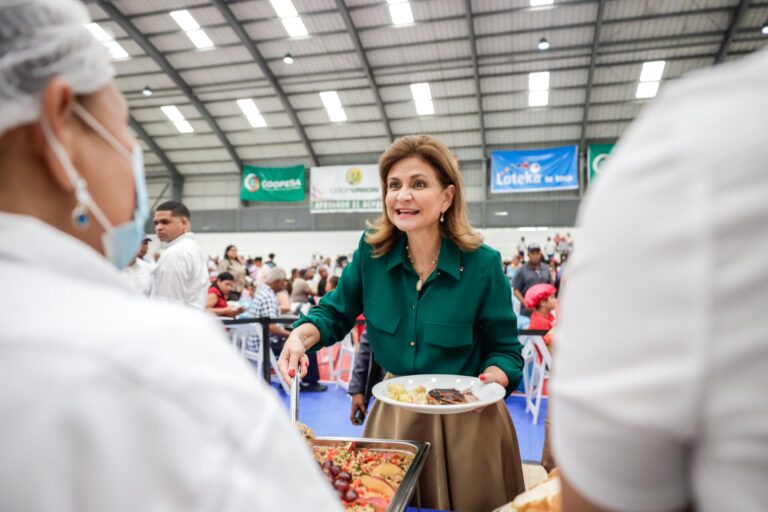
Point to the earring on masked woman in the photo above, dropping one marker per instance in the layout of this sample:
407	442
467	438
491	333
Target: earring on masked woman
442	216
121	242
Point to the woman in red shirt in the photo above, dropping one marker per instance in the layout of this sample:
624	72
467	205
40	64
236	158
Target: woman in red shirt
217	296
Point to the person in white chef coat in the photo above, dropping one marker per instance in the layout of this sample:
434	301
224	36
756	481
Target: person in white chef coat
128	404
181	274
672	414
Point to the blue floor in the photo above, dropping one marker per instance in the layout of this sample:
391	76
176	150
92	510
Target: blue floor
327	414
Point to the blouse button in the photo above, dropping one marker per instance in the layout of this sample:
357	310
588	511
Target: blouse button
413	343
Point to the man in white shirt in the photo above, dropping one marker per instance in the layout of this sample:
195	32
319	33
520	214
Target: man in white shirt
139	274
181	274
659	397
549	250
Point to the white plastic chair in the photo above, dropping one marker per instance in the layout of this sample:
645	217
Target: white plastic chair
347	349
529	356
325	358
539	375
247	339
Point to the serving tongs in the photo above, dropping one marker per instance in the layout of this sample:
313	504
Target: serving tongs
294	403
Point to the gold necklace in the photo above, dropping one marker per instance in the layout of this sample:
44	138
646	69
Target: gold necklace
420	282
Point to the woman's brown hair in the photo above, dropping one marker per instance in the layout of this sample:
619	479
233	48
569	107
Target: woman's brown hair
456	227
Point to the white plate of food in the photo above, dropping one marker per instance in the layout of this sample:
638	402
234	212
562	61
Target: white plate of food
438	394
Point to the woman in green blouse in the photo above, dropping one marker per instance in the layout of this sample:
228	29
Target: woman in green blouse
435	300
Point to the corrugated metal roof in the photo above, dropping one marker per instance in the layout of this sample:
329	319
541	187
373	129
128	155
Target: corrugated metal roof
436	49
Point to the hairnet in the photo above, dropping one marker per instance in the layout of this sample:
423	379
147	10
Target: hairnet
41	39
537	294
274	274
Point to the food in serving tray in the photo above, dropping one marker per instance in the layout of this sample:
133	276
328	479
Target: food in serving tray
544	497
420	395
308	433
365	480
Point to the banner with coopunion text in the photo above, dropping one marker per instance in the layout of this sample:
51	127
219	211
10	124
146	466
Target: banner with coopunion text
345	188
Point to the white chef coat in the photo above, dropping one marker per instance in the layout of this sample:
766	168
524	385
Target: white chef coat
139	275
181	274
109	401
659	395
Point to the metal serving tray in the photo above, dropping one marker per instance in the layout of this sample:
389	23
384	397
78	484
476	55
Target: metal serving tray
418	449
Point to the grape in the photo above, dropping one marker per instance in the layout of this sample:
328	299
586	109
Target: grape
341	485
344	476
350	495
335	470
327	464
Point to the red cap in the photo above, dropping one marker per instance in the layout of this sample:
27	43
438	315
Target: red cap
538	293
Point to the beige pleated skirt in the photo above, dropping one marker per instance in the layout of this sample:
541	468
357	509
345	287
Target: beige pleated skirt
474	464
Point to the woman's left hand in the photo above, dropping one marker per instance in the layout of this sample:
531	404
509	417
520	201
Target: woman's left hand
494	374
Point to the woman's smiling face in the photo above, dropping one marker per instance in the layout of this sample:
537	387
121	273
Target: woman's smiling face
415	197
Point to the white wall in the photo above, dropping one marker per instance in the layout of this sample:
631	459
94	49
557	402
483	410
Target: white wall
295	249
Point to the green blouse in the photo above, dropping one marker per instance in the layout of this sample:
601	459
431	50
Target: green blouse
460	323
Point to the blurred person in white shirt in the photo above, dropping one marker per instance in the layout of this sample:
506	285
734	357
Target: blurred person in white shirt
658	394
139	272
109	402
181	274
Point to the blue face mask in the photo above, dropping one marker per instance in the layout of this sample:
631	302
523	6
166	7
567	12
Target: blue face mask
120	242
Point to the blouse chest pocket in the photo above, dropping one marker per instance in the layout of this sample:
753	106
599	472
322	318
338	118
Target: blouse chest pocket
381	318
448	336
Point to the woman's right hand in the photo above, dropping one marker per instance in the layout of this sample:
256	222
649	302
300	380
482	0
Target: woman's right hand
292	358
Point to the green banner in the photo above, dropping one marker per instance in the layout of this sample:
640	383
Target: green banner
272	184
597	158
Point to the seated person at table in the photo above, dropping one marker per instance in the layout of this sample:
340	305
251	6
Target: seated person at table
217	294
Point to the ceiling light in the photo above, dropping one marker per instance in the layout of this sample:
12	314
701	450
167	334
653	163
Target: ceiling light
538	89
425	108
99	33
177	118
538	98
252	113
333	107
288	59
764	29
538	81
185	20
191	27
421	92
295	27
543	44
147	91
539	3
646	90
422	98
284	8
290	18
200	39
116	51
652	71
400	12
501	214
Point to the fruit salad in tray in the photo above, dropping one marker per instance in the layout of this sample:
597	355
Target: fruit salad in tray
371	475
